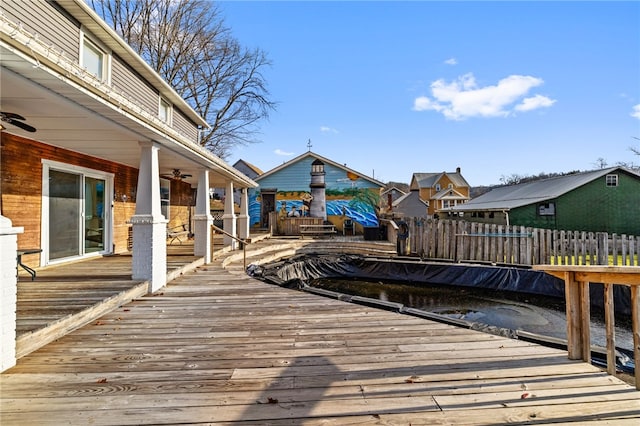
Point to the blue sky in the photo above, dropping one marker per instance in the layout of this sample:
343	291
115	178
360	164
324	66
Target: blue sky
495	88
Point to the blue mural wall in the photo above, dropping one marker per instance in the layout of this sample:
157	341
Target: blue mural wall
295	178
358	212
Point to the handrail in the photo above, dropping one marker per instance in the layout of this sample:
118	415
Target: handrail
243	242
577	279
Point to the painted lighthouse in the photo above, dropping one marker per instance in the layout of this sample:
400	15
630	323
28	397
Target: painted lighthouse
318	207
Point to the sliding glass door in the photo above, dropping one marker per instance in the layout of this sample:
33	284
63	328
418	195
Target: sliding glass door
78	213
65	213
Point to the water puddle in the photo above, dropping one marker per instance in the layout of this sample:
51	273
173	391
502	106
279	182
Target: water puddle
535	314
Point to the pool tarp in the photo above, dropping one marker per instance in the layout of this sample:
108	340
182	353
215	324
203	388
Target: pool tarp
292	271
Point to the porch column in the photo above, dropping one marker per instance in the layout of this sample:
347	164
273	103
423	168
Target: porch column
243	218
8	292
203	219
229	217
149	259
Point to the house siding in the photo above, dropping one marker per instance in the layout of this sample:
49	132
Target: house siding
21	189
127	82
593	207
293	180
48	22
184	125
53	26
21	186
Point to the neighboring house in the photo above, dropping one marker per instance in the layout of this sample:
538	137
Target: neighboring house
410	205
388	197
606	200
288	187
244	167
441	190
99	154
248	169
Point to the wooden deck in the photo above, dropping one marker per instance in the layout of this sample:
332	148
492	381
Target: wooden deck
217	347
64	296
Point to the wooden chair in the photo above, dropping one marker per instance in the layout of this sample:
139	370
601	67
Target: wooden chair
348	226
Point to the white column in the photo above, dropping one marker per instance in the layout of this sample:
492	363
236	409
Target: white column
8	292
243	218
149	259
229	216
203	219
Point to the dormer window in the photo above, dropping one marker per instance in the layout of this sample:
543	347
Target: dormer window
94	58
164	111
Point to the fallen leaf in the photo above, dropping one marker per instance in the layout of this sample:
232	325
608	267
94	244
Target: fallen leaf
103	380
524	395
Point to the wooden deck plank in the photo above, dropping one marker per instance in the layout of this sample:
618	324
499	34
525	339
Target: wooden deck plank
219	347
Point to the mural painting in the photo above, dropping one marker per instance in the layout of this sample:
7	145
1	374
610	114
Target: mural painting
339	202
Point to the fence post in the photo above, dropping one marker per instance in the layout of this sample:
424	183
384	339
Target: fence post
602	252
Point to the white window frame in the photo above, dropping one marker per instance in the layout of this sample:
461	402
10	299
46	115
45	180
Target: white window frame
166	107
611	180
105	72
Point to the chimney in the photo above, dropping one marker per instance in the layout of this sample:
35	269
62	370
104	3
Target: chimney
458	170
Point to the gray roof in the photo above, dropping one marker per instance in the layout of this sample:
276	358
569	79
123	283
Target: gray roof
427	180
411	205
513	196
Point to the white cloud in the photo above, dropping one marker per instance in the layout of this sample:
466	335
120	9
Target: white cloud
451	61
636	111
325	129
538	101
283	153
463	98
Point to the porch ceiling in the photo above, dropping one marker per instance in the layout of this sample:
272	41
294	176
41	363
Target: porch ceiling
74	119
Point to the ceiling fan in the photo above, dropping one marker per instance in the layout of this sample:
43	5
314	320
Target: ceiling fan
177	174
16	120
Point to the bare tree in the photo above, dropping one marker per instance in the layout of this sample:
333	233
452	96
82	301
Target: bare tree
635	150
601	163
186	42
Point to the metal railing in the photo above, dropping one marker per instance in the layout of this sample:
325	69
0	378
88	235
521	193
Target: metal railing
243	243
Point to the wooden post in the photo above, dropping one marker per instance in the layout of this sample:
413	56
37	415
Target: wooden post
585	320
572	296
635	319
609	318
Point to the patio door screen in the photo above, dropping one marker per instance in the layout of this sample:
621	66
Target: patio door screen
77	213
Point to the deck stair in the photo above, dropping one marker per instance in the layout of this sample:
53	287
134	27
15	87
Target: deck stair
274	249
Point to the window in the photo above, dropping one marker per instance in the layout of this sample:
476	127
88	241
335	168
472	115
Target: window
164	111
611	180
438	187
94	59
165	196
547	209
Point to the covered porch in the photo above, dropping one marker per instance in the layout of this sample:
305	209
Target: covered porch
65	297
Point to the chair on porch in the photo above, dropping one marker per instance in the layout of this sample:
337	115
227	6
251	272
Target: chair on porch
177	233
348	226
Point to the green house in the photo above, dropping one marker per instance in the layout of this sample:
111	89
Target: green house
606	200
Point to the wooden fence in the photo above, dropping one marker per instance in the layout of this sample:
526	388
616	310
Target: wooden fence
500	244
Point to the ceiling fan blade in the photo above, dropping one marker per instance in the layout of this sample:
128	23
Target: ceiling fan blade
10	115
23	126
